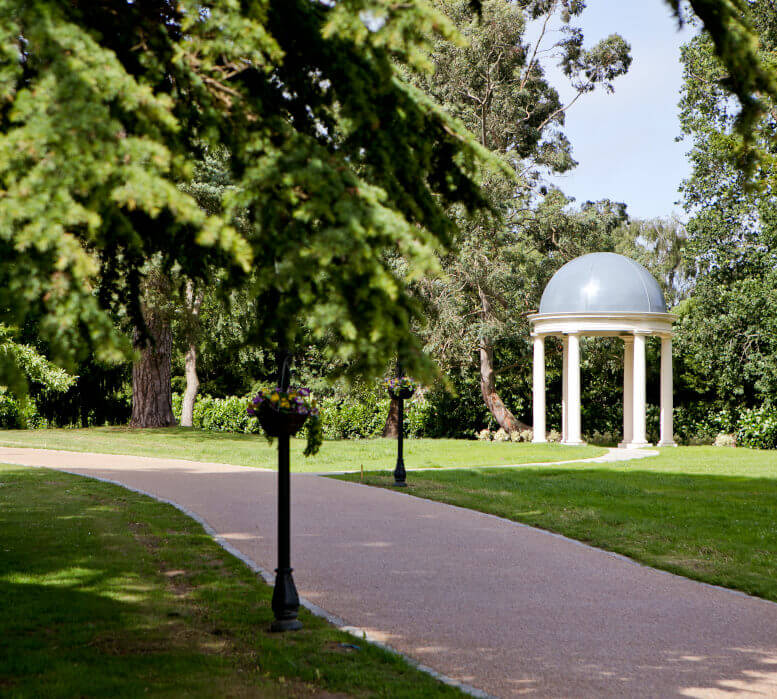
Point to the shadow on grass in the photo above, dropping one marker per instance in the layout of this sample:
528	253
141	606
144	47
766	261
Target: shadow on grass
104	592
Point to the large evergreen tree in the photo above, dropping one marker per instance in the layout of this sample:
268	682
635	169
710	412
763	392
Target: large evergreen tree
106	103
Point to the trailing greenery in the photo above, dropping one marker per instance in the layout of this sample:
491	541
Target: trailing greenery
132	598
704	512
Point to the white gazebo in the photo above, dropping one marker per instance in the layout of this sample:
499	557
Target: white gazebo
604	295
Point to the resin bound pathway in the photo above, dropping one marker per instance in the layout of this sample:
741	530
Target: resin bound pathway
502	607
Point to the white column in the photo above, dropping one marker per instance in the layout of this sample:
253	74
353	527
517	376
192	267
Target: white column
539	389
573	391
667	427
639	436
565	390
628	390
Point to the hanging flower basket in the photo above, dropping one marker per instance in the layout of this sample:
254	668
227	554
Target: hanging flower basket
401	387
276	423
285	412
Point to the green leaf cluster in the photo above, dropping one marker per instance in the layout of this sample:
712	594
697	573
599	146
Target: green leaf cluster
727	329
105	105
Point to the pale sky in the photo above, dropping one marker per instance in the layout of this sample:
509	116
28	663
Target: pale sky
624	142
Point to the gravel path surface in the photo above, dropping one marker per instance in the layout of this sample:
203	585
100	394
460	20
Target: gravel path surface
503	607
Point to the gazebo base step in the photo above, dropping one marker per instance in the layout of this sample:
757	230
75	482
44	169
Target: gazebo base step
635	445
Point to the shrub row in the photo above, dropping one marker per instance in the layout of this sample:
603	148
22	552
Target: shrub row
219	414
365	415
360	416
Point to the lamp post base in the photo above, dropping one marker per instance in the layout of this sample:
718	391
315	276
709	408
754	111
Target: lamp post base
285	602
286	625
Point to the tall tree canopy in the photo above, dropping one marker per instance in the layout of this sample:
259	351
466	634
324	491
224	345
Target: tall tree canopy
104	105
497	86
735	34
728	327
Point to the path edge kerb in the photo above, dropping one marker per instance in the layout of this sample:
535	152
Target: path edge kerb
269	579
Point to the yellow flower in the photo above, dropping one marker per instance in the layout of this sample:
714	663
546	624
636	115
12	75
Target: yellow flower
293	394
284	403
275	397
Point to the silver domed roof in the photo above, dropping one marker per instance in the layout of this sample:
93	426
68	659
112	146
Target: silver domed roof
602	282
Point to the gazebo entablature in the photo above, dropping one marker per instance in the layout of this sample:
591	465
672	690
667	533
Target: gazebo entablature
604	295
601	324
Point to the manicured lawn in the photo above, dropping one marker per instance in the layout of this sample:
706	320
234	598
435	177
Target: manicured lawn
704	512
253	450
106	593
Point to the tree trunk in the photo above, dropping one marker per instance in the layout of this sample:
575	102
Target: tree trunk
152	394
498	409
391	428
190	361
192	385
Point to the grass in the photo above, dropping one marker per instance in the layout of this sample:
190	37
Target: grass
107	593
703	512
253	450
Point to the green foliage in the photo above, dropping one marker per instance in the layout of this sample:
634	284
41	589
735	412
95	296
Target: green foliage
21	364
726	331
219	414
736	30
498	87
101	395
757	428
335	160
315	435
462	414
18	413
362	413
356	417
658	244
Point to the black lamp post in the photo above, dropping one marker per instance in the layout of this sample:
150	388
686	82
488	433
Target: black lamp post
400	475
285	600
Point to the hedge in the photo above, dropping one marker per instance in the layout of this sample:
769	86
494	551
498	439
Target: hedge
219	414
359	416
